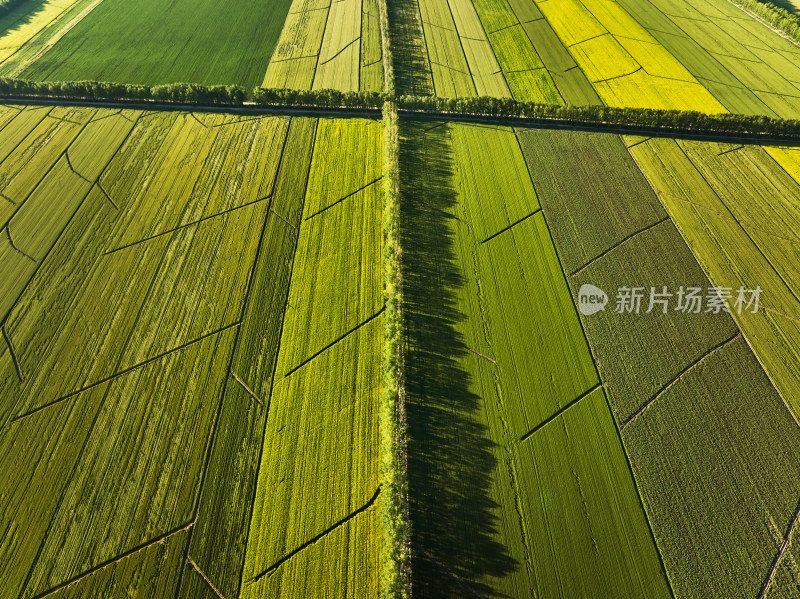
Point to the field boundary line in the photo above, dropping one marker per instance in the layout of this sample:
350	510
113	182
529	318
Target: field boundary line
458	580
197	569
178	228
781	550
340	200
118	558
622	241
335	341
246	388
560	411
524	218
122	372
14	245
680	375
12	352
319	536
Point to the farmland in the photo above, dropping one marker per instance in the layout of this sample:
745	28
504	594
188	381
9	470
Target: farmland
328	44
664	371
429	315
158	44
147	231
503	408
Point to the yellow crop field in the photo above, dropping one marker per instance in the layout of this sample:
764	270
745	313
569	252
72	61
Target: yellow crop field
637	72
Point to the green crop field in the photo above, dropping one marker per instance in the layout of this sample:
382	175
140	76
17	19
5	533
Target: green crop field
168	43
153	256
498	366
359	299
327	44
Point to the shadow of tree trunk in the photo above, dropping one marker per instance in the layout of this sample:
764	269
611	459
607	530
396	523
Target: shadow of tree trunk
409	55
450	457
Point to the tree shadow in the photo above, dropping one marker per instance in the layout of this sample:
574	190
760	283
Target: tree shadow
13	18
412	73
787	5
450	458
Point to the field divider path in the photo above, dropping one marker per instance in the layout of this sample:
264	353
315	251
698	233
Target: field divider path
153	541
560	412
14	245
178	228
679	376
125	371
105	193
524	218
202	575
319	536
340	200
618	244
784	546
246	388
335	341
480	355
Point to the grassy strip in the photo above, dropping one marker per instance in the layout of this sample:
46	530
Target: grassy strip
395	519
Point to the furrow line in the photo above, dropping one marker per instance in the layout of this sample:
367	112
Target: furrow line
560	412
679	376
310	542
335	341
113	560
619	243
